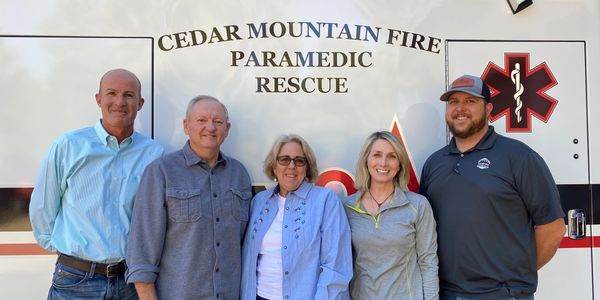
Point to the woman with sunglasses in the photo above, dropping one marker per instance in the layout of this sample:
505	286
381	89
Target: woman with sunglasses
394	240
297	245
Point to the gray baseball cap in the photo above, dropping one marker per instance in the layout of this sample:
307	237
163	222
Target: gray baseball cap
469	84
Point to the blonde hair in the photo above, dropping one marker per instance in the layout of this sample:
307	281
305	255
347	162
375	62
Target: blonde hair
311	162
363	177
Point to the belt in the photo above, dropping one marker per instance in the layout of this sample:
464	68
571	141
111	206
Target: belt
108	270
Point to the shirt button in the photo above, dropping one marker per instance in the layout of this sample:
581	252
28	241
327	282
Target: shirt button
284	247
218	219
218	244
217	295
287	208
215	195
217	270
286	296
284	226
286	272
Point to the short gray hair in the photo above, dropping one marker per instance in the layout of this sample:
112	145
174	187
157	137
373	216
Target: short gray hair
203	98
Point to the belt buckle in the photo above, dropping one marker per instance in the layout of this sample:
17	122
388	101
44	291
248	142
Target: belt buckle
113	270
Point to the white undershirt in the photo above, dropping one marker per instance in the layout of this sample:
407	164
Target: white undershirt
269	274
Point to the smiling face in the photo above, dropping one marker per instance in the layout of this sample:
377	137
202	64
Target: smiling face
290	177
119	99
383	162
466	115
207	127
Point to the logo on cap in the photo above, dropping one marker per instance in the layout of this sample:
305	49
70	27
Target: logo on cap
463	82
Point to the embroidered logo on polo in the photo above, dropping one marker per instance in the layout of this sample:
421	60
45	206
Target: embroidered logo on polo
484	163
520	92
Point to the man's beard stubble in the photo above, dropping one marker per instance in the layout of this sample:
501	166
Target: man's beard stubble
476	125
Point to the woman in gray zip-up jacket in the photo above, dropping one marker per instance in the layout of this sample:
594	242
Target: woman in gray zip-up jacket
394	241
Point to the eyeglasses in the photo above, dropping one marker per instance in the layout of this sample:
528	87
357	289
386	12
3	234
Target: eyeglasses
285	160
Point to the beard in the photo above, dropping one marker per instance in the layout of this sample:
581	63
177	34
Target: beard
477	124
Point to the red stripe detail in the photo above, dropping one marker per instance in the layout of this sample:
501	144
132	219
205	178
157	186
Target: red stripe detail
23	249
586	242
35	249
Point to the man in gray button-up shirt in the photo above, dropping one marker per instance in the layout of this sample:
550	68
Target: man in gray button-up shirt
190	215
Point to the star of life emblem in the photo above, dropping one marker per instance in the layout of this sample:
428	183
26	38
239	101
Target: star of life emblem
519	92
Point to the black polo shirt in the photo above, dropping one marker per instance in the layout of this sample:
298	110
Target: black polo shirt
486	202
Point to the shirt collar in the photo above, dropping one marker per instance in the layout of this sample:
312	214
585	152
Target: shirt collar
301	191
399	199
109	140
485	143
191	158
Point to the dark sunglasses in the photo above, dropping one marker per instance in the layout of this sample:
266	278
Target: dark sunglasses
284	160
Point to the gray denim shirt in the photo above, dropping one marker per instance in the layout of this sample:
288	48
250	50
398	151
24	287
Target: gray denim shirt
187	226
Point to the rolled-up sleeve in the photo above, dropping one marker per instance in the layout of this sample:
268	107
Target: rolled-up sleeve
148	227
336	251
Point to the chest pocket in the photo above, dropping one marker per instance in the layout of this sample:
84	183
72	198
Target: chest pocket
239	202
184	205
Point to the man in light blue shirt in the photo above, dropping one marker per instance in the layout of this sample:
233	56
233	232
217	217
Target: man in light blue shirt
83	196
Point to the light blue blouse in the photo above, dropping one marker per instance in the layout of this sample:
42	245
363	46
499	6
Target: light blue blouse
316	247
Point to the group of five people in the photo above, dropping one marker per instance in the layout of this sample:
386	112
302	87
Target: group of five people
129	221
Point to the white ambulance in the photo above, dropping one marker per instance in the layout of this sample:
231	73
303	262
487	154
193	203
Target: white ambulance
331	71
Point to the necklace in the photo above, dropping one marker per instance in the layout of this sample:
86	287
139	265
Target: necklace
379	204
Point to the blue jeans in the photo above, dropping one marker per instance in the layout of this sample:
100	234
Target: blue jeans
70	283
462	298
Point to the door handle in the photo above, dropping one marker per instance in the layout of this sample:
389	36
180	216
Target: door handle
576	224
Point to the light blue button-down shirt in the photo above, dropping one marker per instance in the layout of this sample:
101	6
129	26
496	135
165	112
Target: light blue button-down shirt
316	250
83	196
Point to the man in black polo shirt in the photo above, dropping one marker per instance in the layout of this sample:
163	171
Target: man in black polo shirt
497	208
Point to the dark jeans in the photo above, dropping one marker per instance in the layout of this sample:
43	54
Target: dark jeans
70	283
